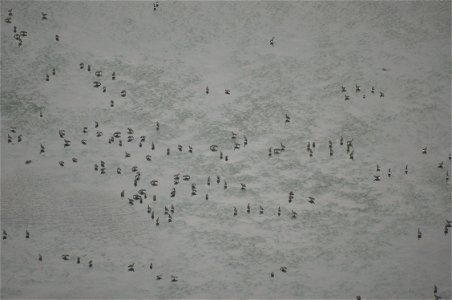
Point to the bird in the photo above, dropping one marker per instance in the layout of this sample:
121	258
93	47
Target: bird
131	267
311	200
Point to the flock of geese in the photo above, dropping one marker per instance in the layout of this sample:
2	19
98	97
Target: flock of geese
141	194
